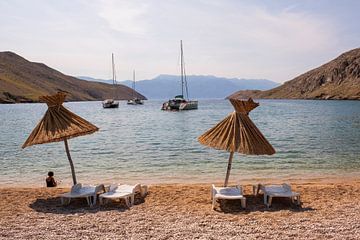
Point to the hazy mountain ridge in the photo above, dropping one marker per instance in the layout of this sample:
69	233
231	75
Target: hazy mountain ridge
337	79
200	86
24	81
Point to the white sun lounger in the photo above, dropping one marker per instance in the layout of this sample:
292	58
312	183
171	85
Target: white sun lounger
230	193
79	191
124	191
276	190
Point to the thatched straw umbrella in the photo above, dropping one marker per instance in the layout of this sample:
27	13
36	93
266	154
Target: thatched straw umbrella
237	133
59	124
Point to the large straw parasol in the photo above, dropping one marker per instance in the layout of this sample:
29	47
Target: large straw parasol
237	133
59	124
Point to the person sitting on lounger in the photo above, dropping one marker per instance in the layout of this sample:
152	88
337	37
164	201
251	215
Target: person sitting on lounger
50	180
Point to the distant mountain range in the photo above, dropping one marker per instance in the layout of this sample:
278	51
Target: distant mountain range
24	81
167	86
337	79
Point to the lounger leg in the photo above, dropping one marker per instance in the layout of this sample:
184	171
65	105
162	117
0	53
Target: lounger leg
265	199
270	201
65	201
101	201
213	203
127	202
94	200
243	203
132	199
88	200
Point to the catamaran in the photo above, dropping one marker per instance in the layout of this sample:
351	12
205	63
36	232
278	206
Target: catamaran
179	102
111	103
134	100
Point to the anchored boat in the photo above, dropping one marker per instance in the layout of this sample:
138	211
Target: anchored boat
134	100
179	102
111	103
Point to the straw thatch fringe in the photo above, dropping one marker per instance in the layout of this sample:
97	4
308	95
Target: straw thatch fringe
58	123
237	133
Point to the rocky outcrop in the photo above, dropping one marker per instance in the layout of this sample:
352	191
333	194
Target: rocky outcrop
337	79
24	81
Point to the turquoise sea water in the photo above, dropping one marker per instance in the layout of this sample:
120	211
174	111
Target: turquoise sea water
313	139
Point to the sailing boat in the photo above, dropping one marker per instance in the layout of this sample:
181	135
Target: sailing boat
134	100
111	103
179	102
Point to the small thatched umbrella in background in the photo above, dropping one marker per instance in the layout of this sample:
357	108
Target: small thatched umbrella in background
59	124
237	133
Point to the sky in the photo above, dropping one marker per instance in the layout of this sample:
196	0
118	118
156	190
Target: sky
275	40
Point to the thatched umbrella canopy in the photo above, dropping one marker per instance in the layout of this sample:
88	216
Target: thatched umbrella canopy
237	133
59	124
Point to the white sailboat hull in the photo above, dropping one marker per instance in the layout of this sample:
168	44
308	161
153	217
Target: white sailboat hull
110	103
189	105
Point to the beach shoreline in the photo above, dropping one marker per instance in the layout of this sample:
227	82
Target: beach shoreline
329	209
178	181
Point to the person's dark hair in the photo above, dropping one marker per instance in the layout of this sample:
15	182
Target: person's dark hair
50	174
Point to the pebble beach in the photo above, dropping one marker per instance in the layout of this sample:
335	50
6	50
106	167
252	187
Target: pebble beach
329	210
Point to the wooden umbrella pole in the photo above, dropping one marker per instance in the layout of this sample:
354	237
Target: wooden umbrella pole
70	161
228	169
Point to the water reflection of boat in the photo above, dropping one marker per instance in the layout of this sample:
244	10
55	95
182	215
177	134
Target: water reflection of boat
111	103
179	102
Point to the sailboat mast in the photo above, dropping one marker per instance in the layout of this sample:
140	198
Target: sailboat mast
182	68
133	93
113	68
113	74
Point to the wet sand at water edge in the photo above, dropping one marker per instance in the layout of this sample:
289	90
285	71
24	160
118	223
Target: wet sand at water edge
330	210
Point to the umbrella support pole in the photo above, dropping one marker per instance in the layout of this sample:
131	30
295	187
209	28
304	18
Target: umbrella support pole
228	169
70	161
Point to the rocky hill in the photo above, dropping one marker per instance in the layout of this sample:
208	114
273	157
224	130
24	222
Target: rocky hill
337	79
24	81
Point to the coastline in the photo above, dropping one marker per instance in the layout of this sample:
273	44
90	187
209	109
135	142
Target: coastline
4	102
183	211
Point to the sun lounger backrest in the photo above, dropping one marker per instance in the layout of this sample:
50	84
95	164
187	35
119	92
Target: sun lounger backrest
287	187
100	188
113	187
137	188
76	188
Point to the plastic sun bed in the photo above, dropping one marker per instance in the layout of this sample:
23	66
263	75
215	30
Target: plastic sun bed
124	191
79	191
276	190
230	193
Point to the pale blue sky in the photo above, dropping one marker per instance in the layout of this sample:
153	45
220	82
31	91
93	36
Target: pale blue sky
276	40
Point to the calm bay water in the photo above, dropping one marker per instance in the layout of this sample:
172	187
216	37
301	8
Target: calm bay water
313	139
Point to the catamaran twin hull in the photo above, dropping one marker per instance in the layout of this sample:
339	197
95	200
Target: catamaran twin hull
172	105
